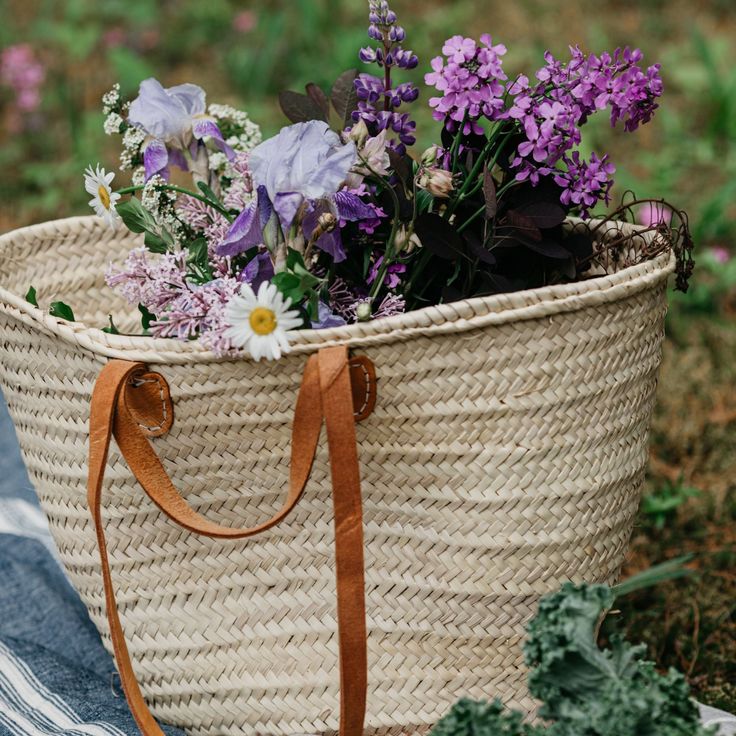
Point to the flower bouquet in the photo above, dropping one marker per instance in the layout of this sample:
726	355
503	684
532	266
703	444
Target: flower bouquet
332	221
500	354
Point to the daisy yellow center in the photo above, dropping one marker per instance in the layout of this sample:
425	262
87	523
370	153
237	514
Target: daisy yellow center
263	321
104	196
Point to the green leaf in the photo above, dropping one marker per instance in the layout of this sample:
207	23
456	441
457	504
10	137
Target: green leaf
136	218
31	296
289	285
154	243
62	311
146	318
207	191
111	329
294	259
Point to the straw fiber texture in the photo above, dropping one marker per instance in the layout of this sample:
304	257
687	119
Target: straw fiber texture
505	456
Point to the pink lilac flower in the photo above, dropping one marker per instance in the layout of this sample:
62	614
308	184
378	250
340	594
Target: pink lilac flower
470	78
585	183
197	312
151	283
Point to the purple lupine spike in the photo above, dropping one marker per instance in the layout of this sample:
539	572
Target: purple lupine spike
377	95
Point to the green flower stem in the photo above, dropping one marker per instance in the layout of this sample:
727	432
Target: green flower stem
180	190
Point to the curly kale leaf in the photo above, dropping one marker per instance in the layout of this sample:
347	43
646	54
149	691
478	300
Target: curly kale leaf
473	718
585	690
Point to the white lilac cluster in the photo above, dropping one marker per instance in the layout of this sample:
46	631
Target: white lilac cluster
133	139
111	100
160	201
113	123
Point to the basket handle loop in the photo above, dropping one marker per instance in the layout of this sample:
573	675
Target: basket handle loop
133	404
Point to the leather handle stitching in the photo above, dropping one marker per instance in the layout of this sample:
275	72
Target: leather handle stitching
135	383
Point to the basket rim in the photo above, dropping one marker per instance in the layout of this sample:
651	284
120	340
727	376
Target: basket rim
454	317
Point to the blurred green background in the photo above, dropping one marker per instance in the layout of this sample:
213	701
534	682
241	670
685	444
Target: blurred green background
60	56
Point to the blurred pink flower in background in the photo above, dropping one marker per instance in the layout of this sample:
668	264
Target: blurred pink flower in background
114	37
654	213
23	74
149	39
245	21
720	254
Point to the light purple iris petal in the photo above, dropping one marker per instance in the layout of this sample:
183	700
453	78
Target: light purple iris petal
304	161
156	159
286	206
203	127
258	270
176	158
190	97
351	207
244	233
325	318
167	114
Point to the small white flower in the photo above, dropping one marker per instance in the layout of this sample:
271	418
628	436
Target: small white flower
258	323
97	183
113	123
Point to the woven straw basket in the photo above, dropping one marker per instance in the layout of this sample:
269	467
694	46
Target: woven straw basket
505	455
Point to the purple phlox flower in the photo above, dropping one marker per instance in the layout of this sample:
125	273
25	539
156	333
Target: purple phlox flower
305	161
471	79
585	183
246	230
392	277
552	112
175	120
325	318
258	270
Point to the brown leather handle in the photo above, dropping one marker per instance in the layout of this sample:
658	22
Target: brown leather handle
134	404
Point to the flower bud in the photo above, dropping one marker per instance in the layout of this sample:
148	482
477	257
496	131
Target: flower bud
430	156
326	222
438	182
358	133
363	311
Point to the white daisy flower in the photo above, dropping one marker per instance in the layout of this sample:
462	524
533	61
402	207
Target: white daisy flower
258	323
97	183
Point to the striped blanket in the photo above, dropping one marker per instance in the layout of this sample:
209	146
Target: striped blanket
55	676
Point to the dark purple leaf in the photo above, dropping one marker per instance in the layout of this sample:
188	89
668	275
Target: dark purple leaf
476	249
522	226
344	97
489	193
299	108
543	214
439	237
320	99
400	164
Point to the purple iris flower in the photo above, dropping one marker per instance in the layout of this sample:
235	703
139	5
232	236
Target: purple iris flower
246	230
176	120
258	270
305	161
344	206
325	318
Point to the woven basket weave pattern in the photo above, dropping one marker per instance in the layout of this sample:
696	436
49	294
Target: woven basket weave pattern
505	456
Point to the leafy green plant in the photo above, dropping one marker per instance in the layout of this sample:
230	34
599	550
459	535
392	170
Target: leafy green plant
663	503
585	690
